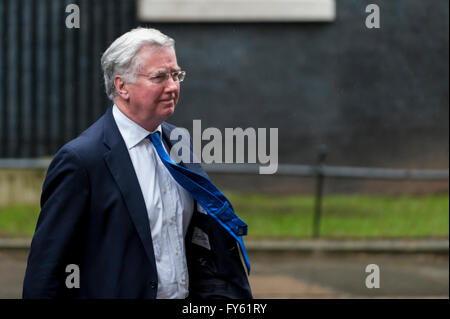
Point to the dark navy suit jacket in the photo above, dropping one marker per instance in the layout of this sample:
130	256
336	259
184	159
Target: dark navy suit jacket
93	215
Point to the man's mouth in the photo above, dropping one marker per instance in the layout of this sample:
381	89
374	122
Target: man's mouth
168	100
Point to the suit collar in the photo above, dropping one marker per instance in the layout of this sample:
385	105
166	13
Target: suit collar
111	133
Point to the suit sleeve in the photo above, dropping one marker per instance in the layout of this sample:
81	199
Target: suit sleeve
59	230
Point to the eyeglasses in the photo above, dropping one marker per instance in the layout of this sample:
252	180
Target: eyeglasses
162	77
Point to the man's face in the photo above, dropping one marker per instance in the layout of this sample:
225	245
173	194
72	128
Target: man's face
149	100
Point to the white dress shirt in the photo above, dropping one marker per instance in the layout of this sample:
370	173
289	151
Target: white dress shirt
169	208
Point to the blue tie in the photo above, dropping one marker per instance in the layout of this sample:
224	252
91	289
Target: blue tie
206	194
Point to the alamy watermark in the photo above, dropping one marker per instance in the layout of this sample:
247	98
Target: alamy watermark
73	19
373	279
73	279
229	147
373	19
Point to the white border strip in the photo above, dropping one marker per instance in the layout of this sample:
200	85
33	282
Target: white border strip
236	10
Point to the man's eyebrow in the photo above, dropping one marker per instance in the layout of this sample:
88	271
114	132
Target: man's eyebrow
165	70
159	71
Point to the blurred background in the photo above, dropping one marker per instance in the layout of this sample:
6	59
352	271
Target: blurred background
362	118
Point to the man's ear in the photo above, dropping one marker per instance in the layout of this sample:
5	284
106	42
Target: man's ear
121	87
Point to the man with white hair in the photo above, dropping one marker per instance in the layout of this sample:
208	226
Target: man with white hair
119	219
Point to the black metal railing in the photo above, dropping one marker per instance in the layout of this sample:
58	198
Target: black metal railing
50	77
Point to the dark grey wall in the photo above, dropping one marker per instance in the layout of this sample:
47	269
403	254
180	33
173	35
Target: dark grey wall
375	97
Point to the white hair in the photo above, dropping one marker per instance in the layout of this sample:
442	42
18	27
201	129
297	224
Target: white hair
120	57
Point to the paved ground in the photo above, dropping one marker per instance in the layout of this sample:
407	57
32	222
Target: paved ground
308	275
339	275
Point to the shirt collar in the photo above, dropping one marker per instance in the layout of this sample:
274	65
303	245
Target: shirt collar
132	132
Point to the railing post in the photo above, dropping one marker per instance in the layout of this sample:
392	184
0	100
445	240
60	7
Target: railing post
322	154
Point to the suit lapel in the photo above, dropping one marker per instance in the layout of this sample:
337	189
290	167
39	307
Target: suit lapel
121	168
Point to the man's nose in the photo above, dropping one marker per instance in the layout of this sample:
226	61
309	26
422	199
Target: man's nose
171	84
